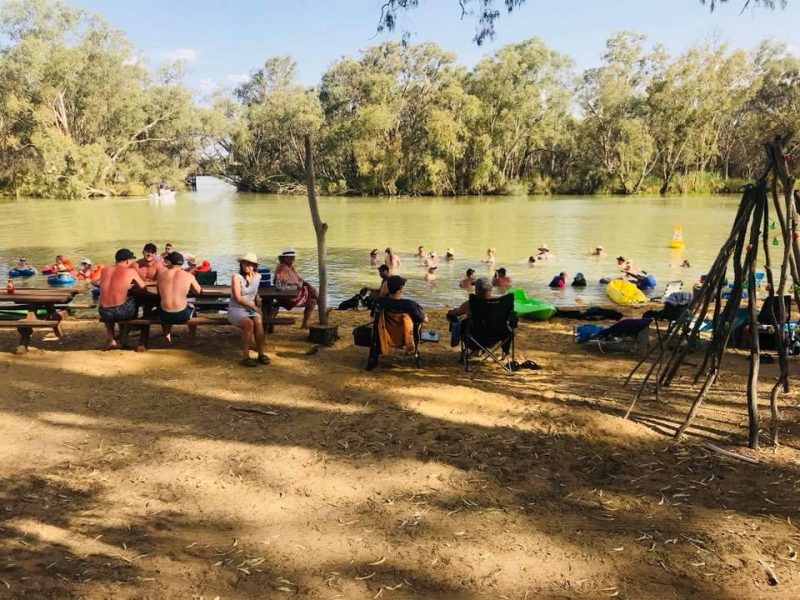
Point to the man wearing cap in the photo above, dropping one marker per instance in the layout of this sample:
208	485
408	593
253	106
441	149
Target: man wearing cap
174	285
114	304
286	275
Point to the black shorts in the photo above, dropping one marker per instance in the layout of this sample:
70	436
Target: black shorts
175	318
120	312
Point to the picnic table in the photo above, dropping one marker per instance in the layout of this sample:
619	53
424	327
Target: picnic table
33	300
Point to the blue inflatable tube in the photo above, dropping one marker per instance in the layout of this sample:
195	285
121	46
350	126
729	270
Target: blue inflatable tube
29	272
61	279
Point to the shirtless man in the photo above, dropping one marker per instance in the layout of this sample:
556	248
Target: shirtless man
149	266
173	287
114	304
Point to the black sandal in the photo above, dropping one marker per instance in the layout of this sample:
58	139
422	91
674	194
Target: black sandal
529	364
263	359
249	362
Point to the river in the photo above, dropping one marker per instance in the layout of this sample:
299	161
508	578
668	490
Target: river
217	223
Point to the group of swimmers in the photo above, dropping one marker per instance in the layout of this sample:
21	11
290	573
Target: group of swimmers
502	280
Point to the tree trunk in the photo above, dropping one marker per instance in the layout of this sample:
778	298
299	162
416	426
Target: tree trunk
320	229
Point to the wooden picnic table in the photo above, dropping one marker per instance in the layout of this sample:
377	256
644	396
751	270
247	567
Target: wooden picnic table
32	300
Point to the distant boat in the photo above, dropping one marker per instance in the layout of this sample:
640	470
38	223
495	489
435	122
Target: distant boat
677	237
163	195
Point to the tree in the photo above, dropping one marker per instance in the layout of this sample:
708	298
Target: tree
487	12
81	117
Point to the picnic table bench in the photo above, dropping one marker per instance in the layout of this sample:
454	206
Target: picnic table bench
142	326
52	301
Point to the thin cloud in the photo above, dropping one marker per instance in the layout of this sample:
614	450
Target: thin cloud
237	77
207	86
180	54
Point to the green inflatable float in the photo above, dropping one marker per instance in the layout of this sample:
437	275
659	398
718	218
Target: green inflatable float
531	308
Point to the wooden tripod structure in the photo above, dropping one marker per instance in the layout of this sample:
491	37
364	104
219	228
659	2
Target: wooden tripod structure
708	307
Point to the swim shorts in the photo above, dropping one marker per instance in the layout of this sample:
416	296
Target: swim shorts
175	318
120	312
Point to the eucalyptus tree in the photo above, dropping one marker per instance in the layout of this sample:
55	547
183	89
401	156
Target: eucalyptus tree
525	91
80	115
265	151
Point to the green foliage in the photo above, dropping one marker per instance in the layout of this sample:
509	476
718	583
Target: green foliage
79	116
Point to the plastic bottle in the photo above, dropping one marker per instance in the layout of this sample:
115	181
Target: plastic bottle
10	286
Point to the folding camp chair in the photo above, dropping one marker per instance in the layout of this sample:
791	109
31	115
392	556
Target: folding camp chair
490	324
389	312
635	330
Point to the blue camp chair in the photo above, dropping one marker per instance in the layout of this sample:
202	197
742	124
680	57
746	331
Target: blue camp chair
626	330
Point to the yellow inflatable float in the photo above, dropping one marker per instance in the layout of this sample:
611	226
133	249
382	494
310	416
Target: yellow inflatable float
677	237
624	292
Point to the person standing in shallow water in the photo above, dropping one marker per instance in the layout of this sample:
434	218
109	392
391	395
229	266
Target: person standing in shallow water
391	260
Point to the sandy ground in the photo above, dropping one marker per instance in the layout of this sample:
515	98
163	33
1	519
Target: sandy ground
130	475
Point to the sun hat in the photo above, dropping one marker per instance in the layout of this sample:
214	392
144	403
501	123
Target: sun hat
249	257
598	247
86	261
543	247
450	251
288	251
192	261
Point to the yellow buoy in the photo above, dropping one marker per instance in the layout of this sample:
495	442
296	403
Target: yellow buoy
677	237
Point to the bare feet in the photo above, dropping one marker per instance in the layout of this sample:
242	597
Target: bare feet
110	346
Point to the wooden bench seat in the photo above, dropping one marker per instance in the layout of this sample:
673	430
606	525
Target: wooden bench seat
25	329
143	327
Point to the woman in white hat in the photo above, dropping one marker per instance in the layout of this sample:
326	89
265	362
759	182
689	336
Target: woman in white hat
244	308
544	253
306	296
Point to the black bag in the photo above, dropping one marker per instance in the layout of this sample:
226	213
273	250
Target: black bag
362	335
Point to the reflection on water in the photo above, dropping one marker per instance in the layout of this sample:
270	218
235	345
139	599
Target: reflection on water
218	223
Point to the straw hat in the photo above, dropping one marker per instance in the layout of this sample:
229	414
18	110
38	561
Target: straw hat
287	252
249	257
86	261
598	247
544	247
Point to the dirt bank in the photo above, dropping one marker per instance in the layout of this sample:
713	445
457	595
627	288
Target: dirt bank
130	475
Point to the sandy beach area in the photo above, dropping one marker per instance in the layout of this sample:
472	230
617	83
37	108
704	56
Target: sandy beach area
177	473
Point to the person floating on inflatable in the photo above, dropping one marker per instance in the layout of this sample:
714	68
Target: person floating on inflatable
677	238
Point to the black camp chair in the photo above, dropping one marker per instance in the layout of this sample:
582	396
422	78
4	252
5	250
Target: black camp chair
490	324
390	305
206	277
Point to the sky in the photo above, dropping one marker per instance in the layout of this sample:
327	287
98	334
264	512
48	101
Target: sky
221	41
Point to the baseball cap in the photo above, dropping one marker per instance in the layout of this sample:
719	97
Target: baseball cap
124	254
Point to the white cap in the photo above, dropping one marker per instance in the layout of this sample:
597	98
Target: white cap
86	261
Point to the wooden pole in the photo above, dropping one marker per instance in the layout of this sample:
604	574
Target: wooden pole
320	229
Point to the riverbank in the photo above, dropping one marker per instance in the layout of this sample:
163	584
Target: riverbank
176	473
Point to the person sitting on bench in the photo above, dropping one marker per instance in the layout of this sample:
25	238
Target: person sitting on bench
174	285
114	304
287	275
244	308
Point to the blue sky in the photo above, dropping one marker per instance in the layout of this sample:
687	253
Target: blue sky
223	40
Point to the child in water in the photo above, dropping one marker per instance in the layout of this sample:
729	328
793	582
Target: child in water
468	281
559	281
